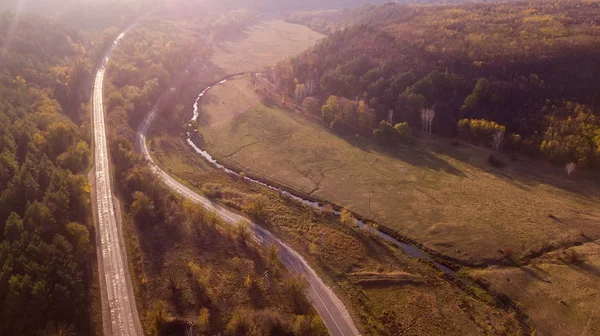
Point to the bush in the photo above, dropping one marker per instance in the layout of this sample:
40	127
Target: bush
338	126
203	322
403	130
572	257
346	218
242	231
256	206
240	323
385	133
508	253
212	190
327	209
269	322
309	326
295	288
494	161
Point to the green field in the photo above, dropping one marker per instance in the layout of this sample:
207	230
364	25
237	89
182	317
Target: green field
447	198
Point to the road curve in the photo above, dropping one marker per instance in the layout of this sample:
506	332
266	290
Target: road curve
118	301
331	310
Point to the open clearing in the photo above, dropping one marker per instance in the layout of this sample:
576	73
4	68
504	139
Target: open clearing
447	198
256	46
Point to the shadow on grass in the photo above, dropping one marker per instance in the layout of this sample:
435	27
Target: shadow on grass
155	243
585	268
415	155
534	274
521	171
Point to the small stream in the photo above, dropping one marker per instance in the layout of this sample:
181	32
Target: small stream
410	249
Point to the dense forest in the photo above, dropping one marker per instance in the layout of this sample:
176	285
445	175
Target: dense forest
46	245
530	67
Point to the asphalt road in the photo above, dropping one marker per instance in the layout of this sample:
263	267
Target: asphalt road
120	316
331	310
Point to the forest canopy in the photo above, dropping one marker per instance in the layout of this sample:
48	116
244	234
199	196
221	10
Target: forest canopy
530	66
46	244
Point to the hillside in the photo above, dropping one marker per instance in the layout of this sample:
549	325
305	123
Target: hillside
520	226
529	66
446	197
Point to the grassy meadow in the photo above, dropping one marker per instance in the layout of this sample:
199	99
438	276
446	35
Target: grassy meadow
262	43
559	290
447	198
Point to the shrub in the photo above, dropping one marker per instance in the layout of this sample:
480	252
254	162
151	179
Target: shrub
212	190
573	257
203	320
269	322
240	323
273	255
338	126
327	209
295	288
242	231
385	133
507	252
403	130
256	206
494	161
311	105
346	217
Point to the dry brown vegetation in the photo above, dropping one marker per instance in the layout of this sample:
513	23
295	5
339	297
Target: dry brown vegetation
202	271
559	293
385	290
445	197
467	210
254	46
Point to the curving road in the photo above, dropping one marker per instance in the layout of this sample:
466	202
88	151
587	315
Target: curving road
120	316
331	310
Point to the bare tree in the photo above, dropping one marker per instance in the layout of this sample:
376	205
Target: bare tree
431	116
311	86
301	92
497	140
570	167
427	116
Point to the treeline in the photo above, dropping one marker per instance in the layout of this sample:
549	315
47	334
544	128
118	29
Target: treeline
529	66
46	242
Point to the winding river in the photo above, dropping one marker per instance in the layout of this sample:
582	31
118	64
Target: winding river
410	249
